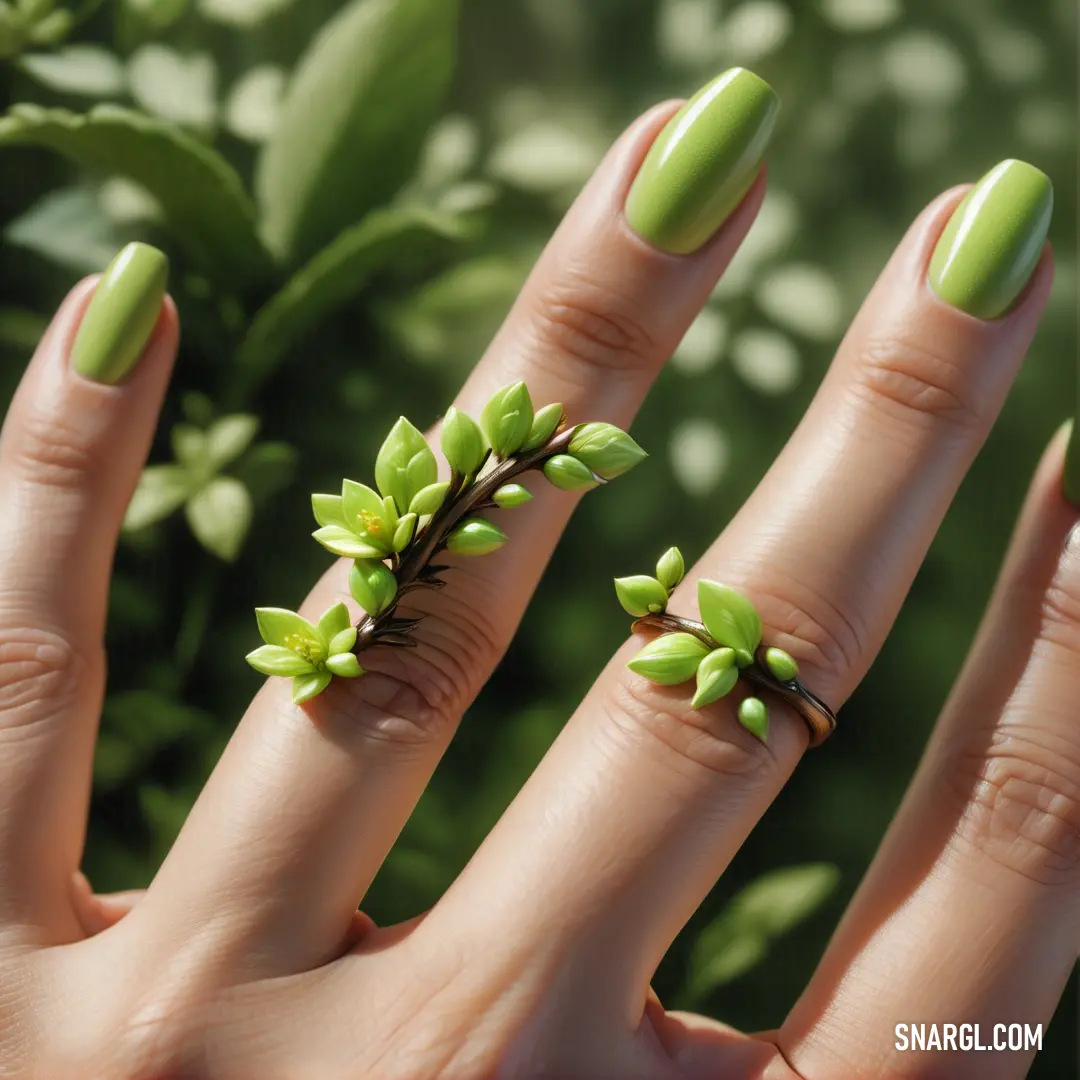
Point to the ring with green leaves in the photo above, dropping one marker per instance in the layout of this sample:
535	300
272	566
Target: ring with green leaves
395	534
725	645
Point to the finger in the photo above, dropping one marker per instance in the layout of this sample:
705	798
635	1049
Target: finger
642	802
972	906
597	319
98	911
73	444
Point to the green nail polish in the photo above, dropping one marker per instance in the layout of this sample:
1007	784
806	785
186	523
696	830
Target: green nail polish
993	240
122	314
703	162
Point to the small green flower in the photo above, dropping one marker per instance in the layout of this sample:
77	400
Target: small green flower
463	442
716	676
545	423
476	536
781	664
357	524
670	568
731	619
607	450
507	419
641	595
428	500
670	659
569	474
372	585
405	464
309	653
754	716
511	495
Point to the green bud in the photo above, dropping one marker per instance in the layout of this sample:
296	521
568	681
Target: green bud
670	659
754	716
781	664
607	450
507	419
345	664
731	619
277	660
372	585
463	442
510	495
670	568
569	474
342	642
305	687
476	536
405	464
715	677
403	534
641	595
429	499
545	423
277	626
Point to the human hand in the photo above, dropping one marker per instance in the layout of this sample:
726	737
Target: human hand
246	958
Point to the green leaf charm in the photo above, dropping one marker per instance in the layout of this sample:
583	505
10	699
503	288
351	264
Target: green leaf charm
731	619
545	423
781	664
511	495
463	442
754	716
372	585
342	642
476	536
368	516
346	665
607	450
335	621
277	660
403	534
328	510
405	465
428	500
344	542
507	419
569	474
670	568
305	687
641	595
716	676
670	659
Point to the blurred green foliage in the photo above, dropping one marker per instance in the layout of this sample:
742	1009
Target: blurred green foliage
367	272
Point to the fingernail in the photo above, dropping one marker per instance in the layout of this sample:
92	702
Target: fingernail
703	162
122	314
993	241
1070	480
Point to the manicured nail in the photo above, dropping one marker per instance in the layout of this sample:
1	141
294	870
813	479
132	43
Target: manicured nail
122	314
993	240
703	162
1070	481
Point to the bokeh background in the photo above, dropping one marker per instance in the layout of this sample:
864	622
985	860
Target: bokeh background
885	103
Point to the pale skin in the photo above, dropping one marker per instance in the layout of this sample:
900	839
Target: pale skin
246	957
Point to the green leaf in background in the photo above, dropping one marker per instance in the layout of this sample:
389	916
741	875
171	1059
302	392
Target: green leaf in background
21	329
78	69
354	119
220	516
740	936
161	490
203	199
67	227
333	277
180	87
229	437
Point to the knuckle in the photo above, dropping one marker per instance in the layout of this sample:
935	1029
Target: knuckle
40	671
52	452
640	711
917	385
592	326
1020	801
1059	623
